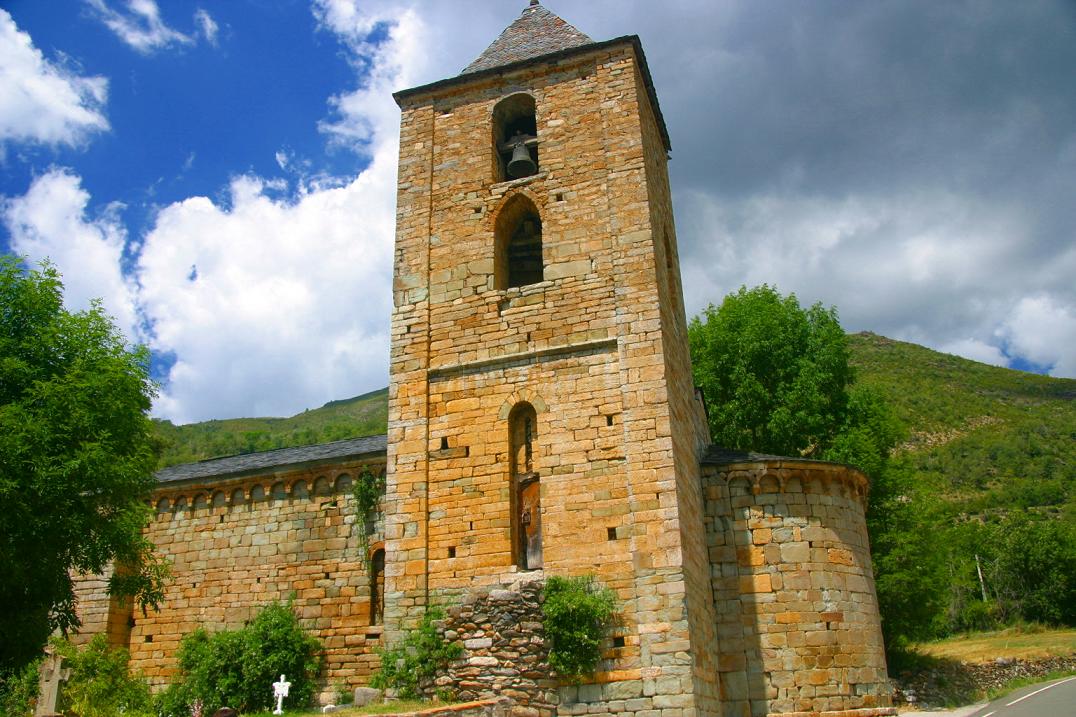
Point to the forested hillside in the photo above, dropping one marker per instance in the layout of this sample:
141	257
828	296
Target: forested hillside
973	522
364	415
986	438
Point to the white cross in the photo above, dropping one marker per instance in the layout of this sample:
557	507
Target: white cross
280	691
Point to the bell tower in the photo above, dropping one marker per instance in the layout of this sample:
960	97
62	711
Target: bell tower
542	415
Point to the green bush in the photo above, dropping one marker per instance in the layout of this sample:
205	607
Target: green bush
576	613
18	690
236	668
417	659
100	684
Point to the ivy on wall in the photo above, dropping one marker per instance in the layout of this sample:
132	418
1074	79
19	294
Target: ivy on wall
368	489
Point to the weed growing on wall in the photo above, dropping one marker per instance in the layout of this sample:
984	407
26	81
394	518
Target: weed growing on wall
576	614
416	660
236	668
368	489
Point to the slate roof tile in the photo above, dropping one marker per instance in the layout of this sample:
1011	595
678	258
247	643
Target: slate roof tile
279	458
535	33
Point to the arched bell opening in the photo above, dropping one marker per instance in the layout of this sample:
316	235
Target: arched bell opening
518	259
526	504
515	138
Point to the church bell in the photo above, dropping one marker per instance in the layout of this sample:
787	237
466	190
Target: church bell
521	164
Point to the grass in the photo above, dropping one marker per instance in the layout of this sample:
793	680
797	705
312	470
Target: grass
948	663
1021	643
383	708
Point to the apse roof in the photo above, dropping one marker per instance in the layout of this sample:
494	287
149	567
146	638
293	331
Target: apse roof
535	33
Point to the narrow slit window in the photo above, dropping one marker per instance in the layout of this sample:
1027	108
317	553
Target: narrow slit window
377	587
526	503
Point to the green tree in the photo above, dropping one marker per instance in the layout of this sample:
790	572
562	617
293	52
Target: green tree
777	379
1034	573
775	376
911	580
76	460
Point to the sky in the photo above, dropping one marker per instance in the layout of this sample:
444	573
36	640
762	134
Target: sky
222	174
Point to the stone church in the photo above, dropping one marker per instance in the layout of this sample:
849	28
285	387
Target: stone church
542	420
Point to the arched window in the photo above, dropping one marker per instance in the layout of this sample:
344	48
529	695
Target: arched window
515	138
526	488
518	252
377	587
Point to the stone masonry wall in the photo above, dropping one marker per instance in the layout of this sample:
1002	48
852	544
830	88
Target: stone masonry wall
505	655
236	545
689	432
100	615
799	627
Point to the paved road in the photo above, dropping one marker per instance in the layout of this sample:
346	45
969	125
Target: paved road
1050	699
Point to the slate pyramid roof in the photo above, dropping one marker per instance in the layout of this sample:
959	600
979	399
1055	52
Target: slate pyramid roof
535	33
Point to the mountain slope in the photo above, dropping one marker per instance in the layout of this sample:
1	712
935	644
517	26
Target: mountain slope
364	415
987	437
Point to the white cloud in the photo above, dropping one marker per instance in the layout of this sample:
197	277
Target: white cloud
207	25
944	270
367	112
1043	330
289	304
141	26
976	350
50	222
41	101
273	302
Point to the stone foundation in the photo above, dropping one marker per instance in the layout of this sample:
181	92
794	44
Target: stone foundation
501	631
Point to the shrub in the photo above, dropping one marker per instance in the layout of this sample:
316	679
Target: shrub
417	659
236	668
18	690
100	684
576	613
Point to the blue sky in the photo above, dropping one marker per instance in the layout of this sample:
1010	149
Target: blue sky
222	174
187	115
